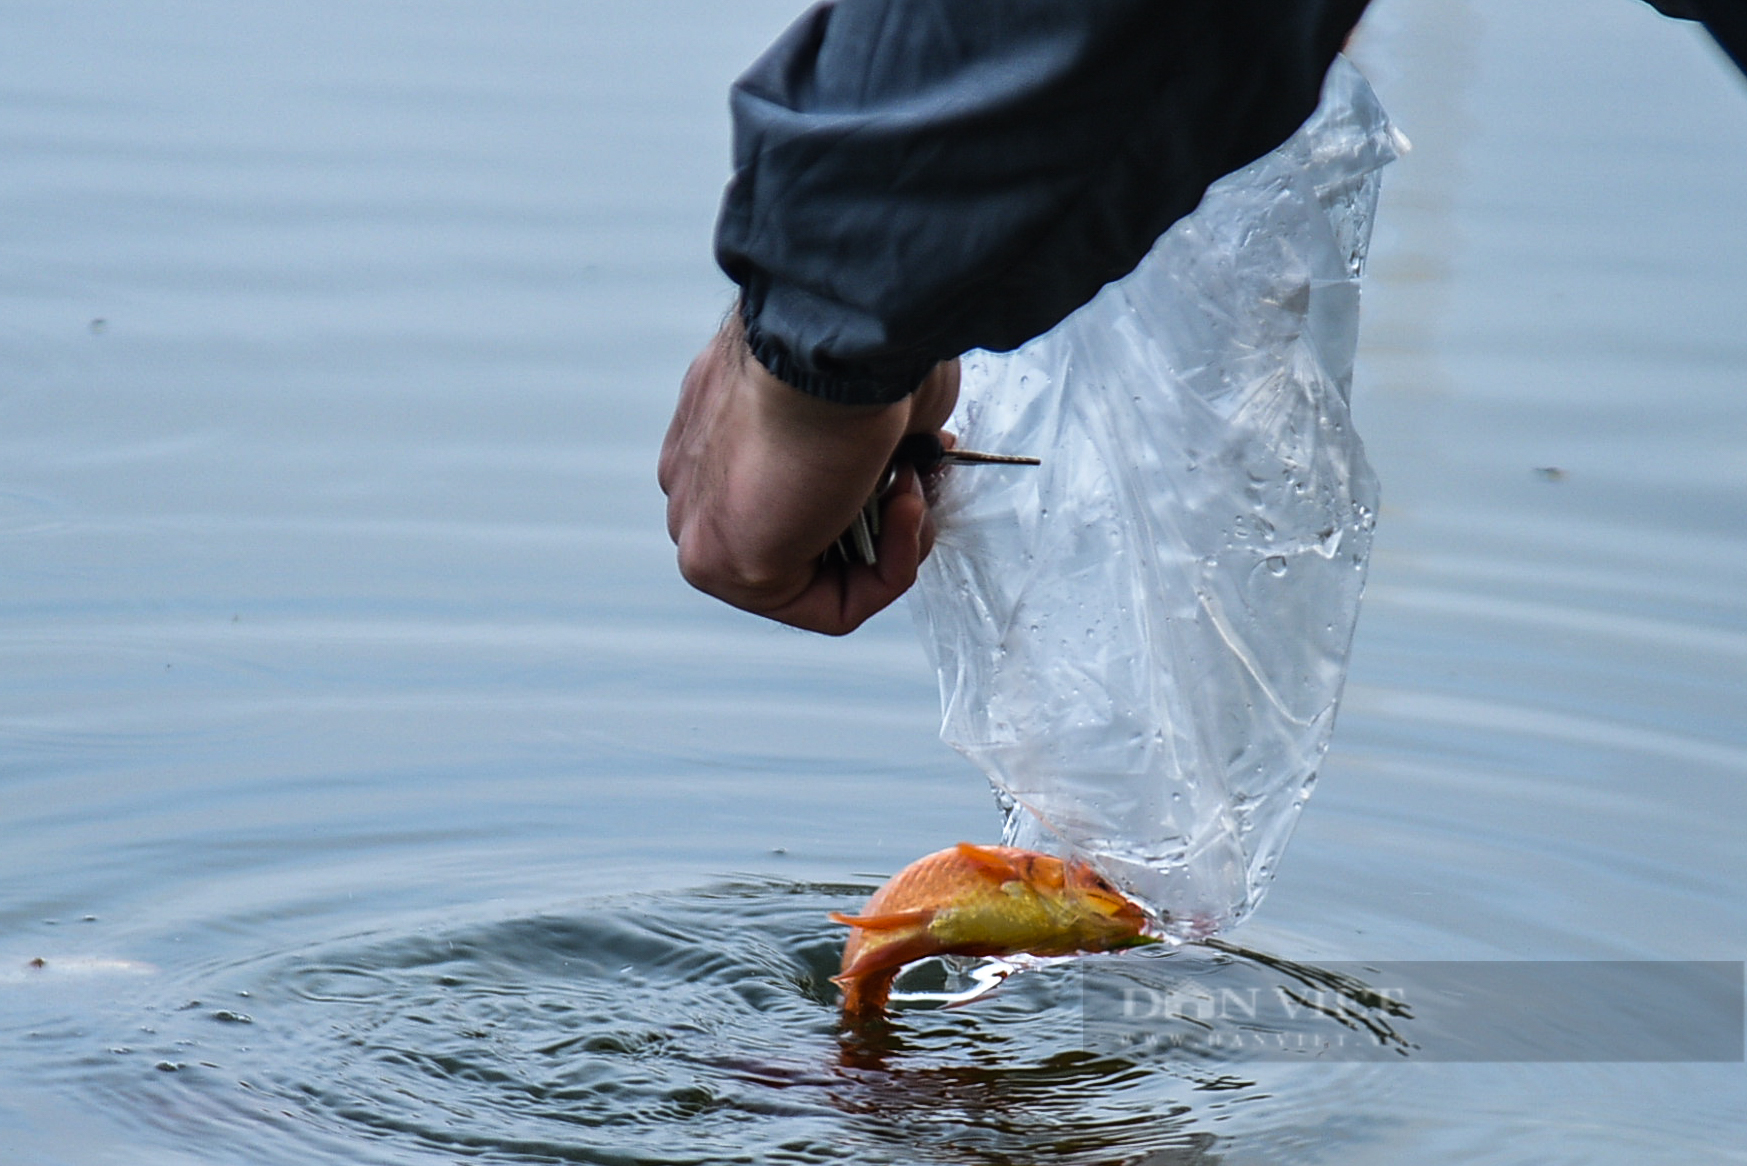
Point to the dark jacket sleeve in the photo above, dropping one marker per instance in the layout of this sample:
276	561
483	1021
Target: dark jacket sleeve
1725	19
916	178
1727	22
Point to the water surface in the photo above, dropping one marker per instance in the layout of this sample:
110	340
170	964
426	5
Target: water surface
373	791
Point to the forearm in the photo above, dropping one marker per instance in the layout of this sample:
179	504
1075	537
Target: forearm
916	178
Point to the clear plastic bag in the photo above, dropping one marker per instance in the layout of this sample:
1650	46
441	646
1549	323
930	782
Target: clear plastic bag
1142	643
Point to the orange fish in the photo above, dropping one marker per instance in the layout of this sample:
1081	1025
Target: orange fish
980	901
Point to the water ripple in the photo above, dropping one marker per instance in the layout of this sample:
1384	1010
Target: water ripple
689	1028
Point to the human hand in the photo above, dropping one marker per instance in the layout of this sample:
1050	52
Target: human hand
761	479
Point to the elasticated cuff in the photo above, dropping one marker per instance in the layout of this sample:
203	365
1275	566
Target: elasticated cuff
845	387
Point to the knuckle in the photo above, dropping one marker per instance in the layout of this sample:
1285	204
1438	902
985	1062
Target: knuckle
713	571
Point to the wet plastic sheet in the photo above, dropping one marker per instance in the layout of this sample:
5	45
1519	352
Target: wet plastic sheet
1143	642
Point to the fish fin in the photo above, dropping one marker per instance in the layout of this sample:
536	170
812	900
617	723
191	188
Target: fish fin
890	922
1077	872
989	859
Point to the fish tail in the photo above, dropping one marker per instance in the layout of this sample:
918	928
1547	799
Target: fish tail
865	995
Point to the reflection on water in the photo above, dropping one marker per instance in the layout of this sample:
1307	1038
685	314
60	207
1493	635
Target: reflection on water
343	663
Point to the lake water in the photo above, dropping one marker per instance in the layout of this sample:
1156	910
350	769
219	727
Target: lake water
372	790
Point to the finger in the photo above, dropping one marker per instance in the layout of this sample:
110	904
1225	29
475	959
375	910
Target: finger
906	534
935	399
843	596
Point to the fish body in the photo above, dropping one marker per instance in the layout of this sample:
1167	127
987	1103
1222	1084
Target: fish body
980	901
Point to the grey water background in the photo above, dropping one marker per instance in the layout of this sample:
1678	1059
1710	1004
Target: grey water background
373	791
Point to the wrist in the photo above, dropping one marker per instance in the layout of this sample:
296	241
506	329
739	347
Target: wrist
847	439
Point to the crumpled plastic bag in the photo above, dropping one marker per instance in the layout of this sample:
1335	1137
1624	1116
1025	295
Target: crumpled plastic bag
1142	642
